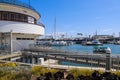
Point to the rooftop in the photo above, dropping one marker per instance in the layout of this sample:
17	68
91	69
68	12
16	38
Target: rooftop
18	3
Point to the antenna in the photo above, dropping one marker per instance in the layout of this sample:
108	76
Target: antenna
96	33
55	28
29	3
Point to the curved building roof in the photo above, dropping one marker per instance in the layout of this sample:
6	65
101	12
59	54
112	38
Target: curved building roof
18	3
20	7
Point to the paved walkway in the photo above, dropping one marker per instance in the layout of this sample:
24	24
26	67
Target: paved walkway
10	55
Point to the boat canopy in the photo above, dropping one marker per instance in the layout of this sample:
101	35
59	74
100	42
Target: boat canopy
101	47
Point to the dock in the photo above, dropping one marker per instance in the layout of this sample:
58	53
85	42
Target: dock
92	60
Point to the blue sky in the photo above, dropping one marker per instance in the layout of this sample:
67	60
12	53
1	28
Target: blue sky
79	16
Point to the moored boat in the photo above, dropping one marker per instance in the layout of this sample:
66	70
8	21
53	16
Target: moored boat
101	50
117	42
92	43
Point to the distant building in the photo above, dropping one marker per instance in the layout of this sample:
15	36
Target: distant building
102	37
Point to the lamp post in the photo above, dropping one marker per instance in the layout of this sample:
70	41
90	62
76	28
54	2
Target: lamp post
108	60
118	62
11	44
91	62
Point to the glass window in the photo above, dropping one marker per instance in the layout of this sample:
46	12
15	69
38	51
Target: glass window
30	20
11	16
5	16
0	16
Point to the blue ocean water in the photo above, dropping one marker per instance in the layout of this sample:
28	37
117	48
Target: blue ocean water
115	49
73	64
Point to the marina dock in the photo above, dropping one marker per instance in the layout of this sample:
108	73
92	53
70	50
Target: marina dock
33	57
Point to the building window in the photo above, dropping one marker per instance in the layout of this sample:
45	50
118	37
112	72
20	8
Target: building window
24	38
0	16
11	16
30	20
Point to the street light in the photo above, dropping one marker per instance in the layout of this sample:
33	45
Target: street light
108	59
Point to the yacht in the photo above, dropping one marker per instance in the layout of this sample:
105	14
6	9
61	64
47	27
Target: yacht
53	43
117	42
58	43
92	43
96	42
101	50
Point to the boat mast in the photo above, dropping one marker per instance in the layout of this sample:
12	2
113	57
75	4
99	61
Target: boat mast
29	3
55	28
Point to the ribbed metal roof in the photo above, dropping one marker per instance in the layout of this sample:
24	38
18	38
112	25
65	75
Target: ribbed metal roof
18	3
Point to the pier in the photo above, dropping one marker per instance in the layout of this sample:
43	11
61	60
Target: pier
31	57
6	56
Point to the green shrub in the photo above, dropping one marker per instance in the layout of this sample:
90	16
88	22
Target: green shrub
78	72
7	77
117	73
12	64
53	71
37	70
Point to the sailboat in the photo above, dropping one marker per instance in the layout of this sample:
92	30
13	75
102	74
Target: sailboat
56	42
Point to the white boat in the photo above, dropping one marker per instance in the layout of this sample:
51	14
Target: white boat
58	43
96	42
117	42
101	50
53	43
92	43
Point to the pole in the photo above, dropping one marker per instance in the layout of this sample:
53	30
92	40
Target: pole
108	60
91	62
55	28
11	44
29	3
118	61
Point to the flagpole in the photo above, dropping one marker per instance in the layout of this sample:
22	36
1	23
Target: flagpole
55	28
29	3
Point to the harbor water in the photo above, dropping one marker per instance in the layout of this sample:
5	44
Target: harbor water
115	50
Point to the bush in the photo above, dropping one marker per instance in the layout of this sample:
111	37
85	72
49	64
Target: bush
117	73
37	70
53	71
78	72
11	64
7	77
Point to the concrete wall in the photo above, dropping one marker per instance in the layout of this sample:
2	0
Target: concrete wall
21	27
18	44
22	44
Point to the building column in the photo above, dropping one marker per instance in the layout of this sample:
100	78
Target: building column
26	59
40	61
31	57
33	60
35	39
0	39
11	44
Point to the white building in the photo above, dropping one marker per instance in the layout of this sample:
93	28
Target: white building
18	25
